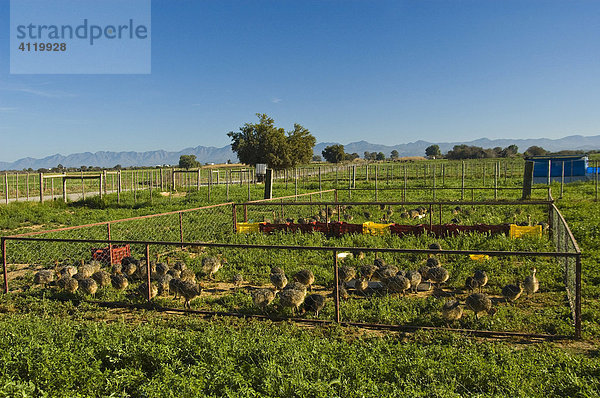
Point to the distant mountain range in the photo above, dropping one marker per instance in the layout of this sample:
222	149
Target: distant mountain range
221	155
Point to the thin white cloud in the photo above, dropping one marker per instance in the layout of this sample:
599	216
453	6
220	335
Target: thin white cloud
276	100
7	109
43	93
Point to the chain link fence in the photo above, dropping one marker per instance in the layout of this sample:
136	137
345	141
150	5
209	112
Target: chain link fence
365	273
565	242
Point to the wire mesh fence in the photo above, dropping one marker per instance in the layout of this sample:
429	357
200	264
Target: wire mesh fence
373	263
372	287
564	241
433	180
456	215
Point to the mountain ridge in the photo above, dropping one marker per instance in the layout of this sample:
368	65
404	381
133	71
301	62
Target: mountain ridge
213	154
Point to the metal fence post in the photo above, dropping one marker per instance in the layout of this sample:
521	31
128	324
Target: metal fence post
596	172
234	217
109	244
148	272
462	176
578	297
562	179
496	173
337	287
405	183
434	182
4	265
376	195
181	228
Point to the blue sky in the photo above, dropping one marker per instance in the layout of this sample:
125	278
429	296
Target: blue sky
388	72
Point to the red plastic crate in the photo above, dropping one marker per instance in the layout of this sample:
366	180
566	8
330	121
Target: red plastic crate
118	253
340	228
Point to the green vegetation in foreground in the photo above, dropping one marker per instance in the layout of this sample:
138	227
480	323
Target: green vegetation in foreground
69	355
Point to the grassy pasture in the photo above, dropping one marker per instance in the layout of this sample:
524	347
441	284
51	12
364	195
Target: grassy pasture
70	348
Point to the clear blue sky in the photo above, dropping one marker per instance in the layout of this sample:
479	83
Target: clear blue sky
388	72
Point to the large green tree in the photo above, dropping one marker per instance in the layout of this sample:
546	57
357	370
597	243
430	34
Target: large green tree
334	153
535	151
263	142
433	151
188	161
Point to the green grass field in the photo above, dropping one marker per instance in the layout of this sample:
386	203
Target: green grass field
53	347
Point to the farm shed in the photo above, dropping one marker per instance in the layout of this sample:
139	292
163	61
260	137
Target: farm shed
572	167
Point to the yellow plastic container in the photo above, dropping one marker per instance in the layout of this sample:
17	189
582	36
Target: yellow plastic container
372	228
516	231
479	257
247	227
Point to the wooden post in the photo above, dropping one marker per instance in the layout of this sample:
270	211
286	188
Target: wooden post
52	187
41	187
135	187
17	187
173	180
100	186
198	183
367	172
119	181
268	184
27	185
105	180
227	180
6	186
64	189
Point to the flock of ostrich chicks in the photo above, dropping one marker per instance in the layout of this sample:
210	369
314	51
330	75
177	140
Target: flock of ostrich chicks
87	278
292	293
